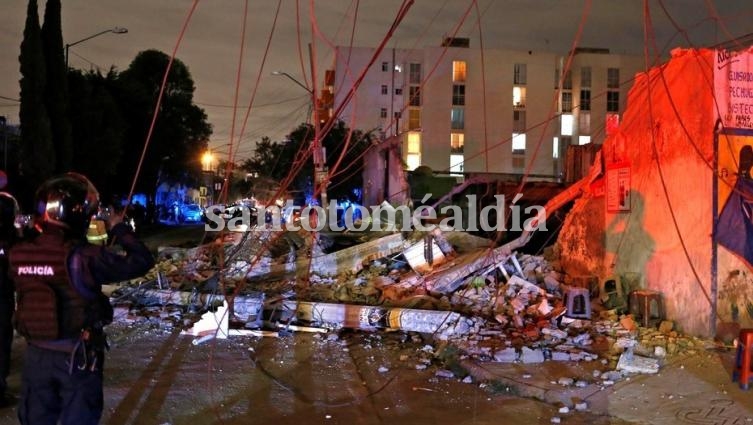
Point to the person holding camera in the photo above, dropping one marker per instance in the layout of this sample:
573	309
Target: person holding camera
61	310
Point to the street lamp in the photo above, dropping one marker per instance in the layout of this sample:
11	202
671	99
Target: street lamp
206	161
293	80
116	30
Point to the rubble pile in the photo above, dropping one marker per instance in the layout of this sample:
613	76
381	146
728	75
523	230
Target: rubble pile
489	304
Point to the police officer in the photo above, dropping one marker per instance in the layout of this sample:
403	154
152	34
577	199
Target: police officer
61	310
9	235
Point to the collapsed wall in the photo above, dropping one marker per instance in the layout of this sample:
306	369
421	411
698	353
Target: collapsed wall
660	236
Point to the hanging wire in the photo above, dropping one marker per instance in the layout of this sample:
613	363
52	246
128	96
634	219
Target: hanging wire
159	99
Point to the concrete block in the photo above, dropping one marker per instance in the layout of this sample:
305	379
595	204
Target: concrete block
531	356
560	356
666	326
508	355
637	364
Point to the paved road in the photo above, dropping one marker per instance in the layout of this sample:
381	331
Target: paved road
159	377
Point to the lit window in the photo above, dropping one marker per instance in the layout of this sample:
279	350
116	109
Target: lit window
413	157
456	163
457	118
457	140
414	119
414	142
566	126
518	142
413	161
584	140
556	148
458	71
519	97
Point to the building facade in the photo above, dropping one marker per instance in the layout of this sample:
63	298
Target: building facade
461	110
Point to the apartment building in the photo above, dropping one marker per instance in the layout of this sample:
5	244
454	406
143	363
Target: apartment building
460	110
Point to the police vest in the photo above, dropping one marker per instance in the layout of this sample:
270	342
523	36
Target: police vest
48	306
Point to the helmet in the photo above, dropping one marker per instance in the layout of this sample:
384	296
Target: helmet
68	201
8	212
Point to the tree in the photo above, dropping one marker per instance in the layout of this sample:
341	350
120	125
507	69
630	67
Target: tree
277	160
37	153
97	126
181	132
56	87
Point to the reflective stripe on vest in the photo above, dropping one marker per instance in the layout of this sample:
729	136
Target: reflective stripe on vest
41	263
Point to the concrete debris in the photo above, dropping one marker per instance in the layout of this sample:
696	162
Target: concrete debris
632	363
507	355
443	373
528	355
666	326
491	304
424	255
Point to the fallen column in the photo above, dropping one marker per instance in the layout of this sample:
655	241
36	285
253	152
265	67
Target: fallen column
448	280
440	323
351	259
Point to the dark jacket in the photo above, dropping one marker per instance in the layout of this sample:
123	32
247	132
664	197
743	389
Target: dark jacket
84	268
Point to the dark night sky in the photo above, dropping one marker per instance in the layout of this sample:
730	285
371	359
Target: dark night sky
212	42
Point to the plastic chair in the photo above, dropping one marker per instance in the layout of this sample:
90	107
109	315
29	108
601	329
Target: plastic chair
646	305
578	303
743	359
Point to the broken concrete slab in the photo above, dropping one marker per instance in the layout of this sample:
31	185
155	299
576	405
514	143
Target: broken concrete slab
450	277
424	255
633	363
351	260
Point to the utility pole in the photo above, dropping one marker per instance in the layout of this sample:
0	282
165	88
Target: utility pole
320	166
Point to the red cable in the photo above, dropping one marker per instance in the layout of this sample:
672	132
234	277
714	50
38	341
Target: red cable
231	153
483	87
159	97
231	159
576	42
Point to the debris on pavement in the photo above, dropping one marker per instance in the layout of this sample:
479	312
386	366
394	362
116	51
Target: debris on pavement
455	289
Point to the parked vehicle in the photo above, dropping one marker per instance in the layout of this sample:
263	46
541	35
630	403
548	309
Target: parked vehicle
234	210
190	213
